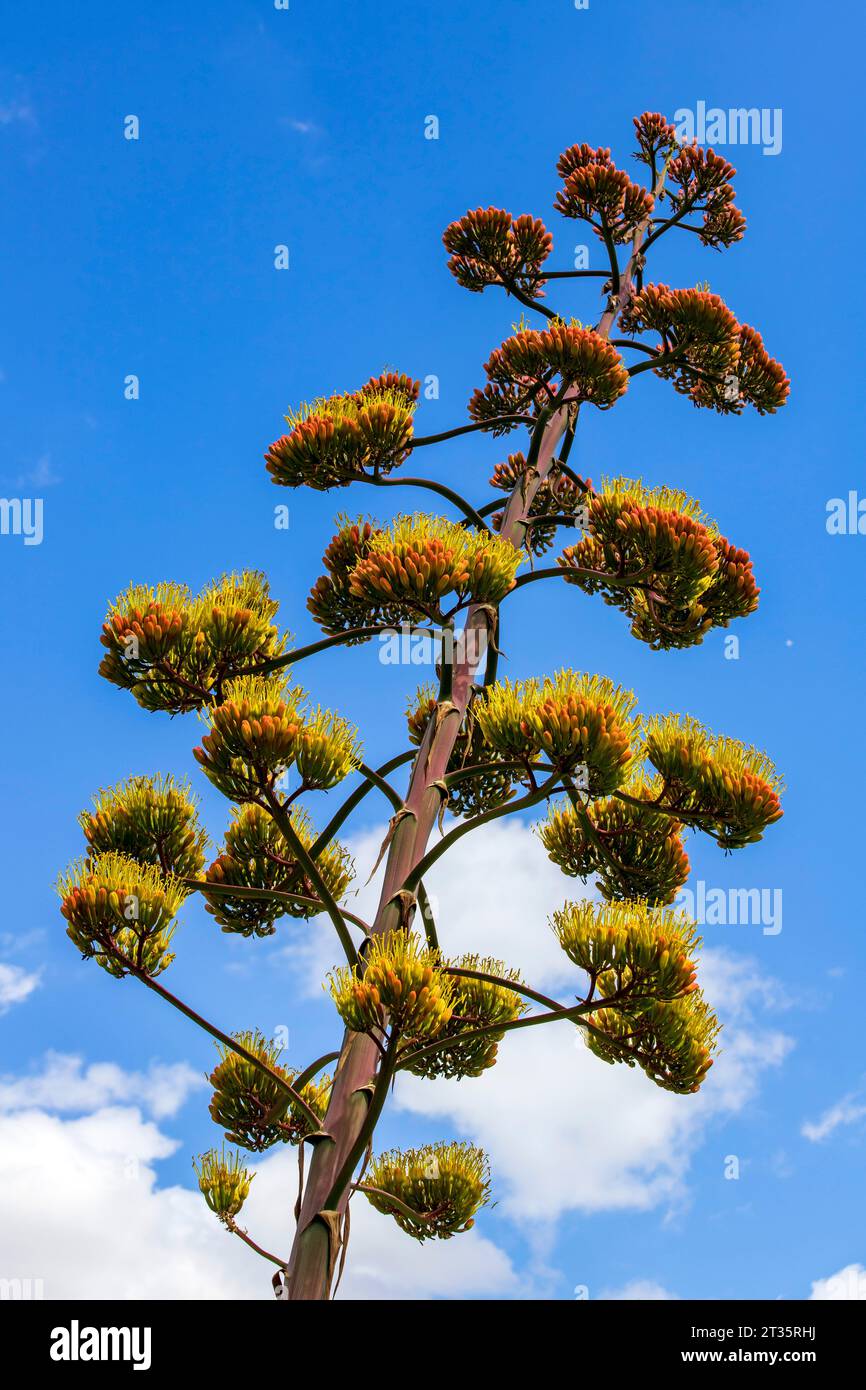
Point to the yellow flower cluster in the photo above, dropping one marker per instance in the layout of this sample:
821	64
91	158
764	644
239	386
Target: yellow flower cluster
439	1188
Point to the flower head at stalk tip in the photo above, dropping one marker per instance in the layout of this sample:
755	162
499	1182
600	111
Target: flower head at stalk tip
490	247
729	790
534	366
683	577
418	561
255	855
672	1042
572	719
245	1096
477	1004
170	647
121	912
402	986
646	951
224	1182
154	820
442	1185
646	846
336	439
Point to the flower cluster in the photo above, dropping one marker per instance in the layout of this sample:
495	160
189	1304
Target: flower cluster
701	182
635	950
490	247
595	189
715	783
224	1182
170	647
652	553
436	1189
672	1042
556	497
710	357
251	1106
477	1004
759	381
575	720
474	792
623	843
151	819
260	730
121	912
419	560
255	855
331	601
535	367
336	439
401	984
656	138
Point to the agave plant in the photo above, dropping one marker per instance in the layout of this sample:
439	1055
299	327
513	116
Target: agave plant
621	786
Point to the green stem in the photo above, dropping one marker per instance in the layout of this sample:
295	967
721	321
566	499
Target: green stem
448	493
237	890
231	1043
371	779
290	835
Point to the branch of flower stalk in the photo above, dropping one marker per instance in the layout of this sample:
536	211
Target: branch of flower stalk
517	985
448	493
528	301
237	890
284	825
420	441
612	256
381	1086
427	918
631	343
661	359
624	582
393	1201
574	274
370	781
613	863
305	1076
228	1042
695	818
265	1254
452	779
501	809
275	663
684	211
561	1014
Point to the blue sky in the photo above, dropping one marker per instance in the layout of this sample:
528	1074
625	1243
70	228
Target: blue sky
155	257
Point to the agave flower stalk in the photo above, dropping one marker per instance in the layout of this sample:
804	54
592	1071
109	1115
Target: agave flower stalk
620	788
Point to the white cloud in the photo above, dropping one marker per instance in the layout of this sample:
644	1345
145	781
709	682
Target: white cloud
66	1084
846	1111
16	985
84	1213
849	1284
639	1291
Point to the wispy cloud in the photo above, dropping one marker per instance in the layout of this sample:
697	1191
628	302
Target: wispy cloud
301	127
17	112
40	475
847	1111
16	985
